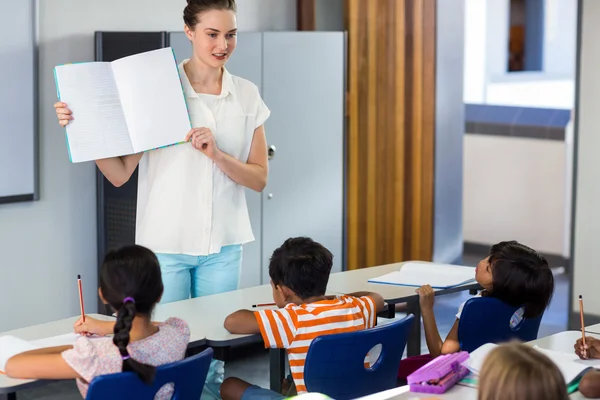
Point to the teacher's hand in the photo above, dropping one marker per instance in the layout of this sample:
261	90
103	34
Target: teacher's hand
202	139
63	113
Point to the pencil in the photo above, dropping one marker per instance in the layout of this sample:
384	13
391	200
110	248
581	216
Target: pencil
581	316
81	298
263	305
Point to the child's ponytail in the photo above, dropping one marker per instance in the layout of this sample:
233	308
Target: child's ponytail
125	317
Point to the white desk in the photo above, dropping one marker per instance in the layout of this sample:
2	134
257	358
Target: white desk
562	341
10	386
206	315
593	329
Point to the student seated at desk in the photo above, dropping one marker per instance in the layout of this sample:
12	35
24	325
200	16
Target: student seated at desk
130	281
589	386
299	272
513	273
516	371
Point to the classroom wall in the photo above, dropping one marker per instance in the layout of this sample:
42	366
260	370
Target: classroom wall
45	244
514	188
587	169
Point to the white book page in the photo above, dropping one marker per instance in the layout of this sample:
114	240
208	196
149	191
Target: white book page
152	98
436	275
10	346
98	129
477	357
569	364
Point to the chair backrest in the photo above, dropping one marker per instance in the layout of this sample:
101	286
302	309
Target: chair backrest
335	364
188	376
488	320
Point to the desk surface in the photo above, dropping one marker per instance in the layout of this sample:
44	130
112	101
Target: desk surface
205	315
593	329
42	331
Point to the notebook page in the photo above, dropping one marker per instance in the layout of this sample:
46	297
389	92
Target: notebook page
569	364
98	129
10	346
153	100
436	275
477	357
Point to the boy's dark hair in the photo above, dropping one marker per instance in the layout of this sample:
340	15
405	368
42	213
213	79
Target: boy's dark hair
131	273
302	265
521	277
196	7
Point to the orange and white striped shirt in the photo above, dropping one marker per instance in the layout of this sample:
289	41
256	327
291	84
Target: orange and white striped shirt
295	326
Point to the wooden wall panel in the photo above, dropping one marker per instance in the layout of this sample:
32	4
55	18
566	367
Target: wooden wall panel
391	84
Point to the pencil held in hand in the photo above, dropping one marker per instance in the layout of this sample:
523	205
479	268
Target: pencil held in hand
81	298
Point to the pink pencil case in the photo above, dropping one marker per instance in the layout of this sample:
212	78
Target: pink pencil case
440	374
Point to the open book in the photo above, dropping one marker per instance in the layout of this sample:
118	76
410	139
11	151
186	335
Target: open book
569	364
127	106
439	276
11	346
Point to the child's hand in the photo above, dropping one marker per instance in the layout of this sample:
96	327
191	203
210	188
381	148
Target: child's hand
591	349
92	326
426	297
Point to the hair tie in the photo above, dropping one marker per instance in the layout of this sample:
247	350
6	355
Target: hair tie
128	300
127	357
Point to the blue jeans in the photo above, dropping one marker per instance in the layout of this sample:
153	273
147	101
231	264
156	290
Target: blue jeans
186	276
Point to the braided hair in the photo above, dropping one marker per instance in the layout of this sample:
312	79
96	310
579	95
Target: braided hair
131	283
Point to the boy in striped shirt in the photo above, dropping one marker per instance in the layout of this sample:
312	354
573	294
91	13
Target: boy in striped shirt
299	272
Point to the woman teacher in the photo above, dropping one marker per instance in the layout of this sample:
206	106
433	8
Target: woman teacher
191	208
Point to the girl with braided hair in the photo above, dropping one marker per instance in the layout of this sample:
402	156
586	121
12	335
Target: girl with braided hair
130	282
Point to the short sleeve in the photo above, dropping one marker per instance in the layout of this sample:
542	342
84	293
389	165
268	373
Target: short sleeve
277	327
83	358
262	112
366	306
179	326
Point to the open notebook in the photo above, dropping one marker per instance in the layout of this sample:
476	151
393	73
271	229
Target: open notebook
126	106
11	346
571	366
439	276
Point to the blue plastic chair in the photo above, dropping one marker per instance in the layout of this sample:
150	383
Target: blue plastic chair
335	364
188	376
487	320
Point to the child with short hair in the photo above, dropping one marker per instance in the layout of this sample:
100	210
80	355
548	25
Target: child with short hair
516	371
299	272
130	282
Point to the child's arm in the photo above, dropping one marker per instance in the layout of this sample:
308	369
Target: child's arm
376	297
242	322
45	363
435	344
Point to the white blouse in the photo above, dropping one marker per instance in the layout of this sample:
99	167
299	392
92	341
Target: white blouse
186	204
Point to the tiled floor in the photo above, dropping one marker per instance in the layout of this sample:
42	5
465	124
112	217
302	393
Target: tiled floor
252	363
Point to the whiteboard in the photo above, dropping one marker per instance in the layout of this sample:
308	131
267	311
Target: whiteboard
18	99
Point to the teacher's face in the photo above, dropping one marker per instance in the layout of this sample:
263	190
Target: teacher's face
214	37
